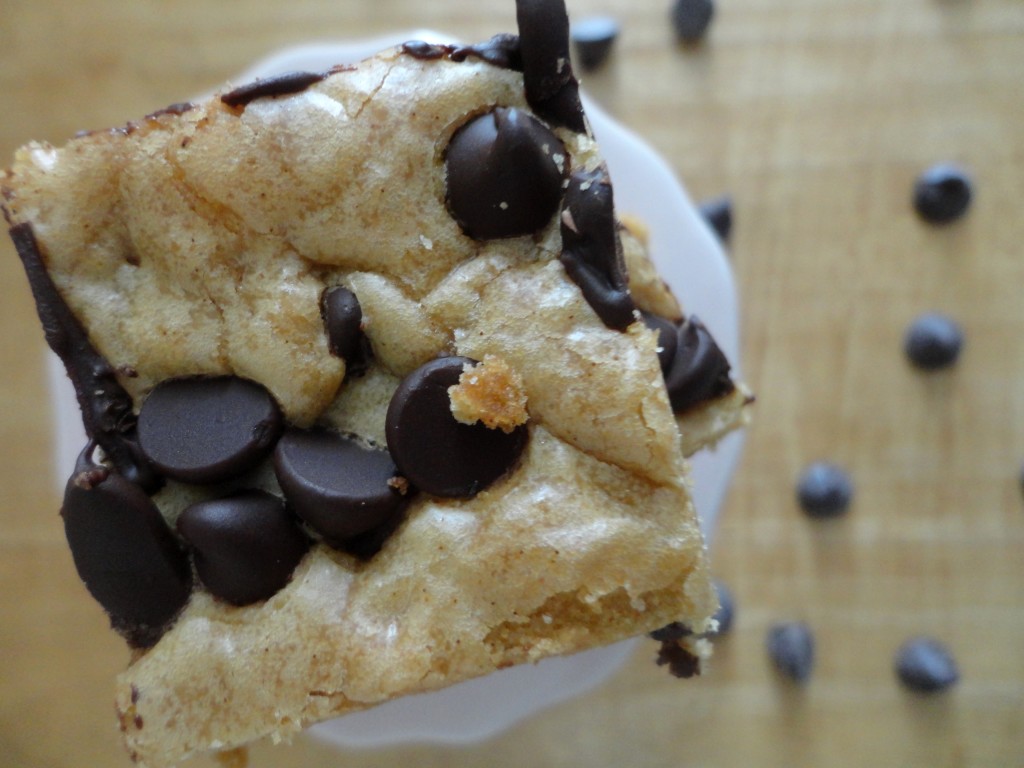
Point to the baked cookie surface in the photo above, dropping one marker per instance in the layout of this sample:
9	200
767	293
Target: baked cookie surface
445	435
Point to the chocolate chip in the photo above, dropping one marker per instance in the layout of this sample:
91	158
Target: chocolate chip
419	49
593	39
435	452
591	250
726	610
340	488
280	85
933	341
123	550
681	661
942	194
245	546
668	338
551	87
824	490
691	18
717	212
791	650
700	371
107	409
343	318
177	109
205	429
671	633
504	175
926	665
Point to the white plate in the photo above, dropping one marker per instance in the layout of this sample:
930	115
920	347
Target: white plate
691	260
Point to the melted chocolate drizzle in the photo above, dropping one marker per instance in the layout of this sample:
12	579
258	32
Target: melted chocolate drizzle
591	249
500	51
106	406
551	87
280	85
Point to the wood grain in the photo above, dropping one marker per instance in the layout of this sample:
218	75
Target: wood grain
816	115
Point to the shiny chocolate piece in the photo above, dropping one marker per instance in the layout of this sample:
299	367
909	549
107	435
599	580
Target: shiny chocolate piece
177	109
691	18
279	85
123	550
551	87
245	546
668	338
420	49
343	318
790	647
942	194
671	633
925	665
504	175
338	487
824	490
717	212
438	454
700	371
591	249
593	39
107	411
500	51
206	429
933	341
681	660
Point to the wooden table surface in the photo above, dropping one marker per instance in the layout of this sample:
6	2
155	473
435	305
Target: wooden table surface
816	116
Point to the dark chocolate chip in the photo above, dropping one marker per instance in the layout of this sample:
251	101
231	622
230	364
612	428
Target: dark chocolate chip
177	109
503	177
551	87
717	212
942	194
668	338
125	553
591	249
500	51
435	452
926	665
593	39
691	18
107	410
343	318
671	633
420	49
682	662
205	429
933	341
700	371
824	490
726	608
245	546
338	487
279	85
791	650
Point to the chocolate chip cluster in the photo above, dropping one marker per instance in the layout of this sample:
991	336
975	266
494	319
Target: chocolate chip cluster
215	432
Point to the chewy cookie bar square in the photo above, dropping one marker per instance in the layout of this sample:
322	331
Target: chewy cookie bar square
373	404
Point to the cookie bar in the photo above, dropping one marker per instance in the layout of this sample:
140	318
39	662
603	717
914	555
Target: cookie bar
371	406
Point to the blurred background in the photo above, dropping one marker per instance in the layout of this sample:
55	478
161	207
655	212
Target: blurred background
815	117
